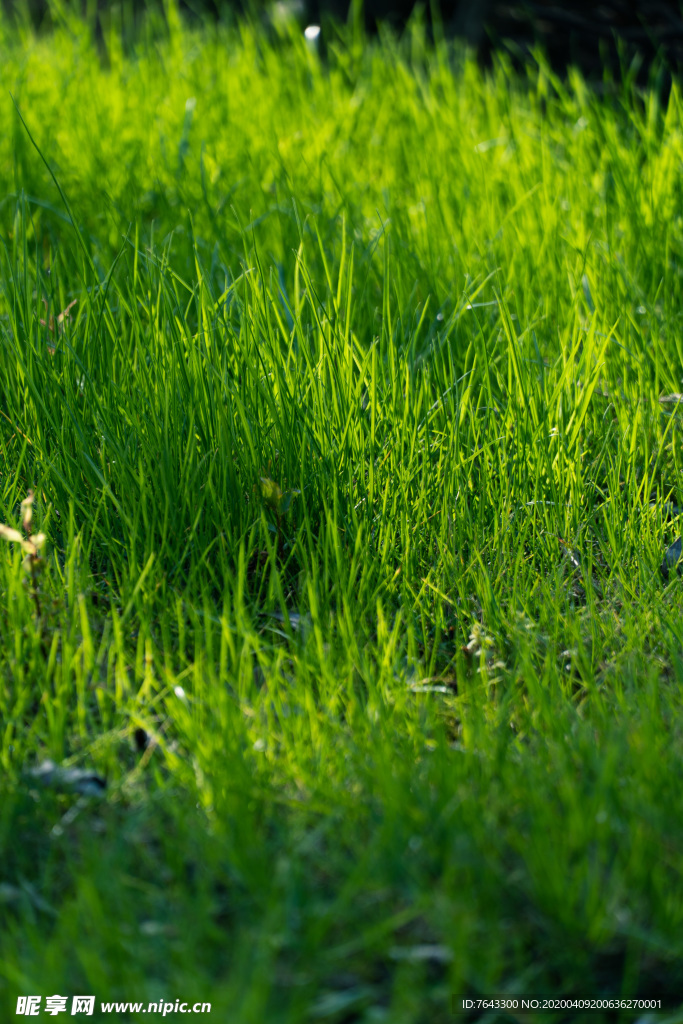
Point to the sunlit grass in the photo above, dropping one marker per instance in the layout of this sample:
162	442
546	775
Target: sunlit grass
347	393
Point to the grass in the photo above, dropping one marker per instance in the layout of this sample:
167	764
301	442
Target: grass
356	460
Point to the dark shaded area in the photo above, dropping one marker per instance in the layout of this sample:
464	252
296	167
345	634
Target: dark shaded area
605	37
593	37
597	38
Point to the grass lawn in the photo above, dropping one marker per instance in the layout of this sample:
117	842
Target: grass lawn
356	452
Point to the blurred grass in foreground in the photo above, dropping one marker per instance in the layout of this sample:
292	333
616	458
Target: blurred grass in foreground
352	453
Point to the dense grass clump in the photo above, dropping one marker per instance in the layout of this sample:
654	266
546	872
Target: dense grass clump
347	392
